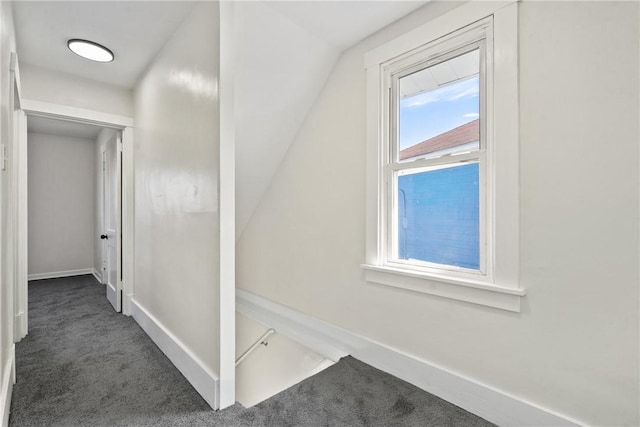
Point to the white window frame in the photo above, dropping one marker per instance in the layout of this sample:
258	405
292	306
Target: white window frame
496	284
476	36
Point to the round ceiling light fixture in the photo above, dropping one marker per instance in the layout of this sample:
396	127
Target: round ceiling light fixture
90	50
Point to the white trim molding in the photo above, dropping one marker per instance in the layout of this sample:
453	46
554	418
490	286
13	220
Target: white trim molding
98	275
334	342
21	322
227	203
65	112
128	219
112	296
127	304
14	66
497	282
461	290
57	274
194	370
8	379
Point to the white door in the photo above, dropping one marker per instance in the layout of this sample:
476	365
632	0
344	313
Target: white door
112	190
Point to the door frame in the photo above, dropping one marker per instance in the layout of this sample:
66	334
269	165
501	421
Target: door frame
17	233
125	125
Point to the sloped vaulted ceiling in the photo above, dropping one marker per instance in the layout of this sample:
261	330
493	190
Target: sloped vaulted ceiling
280	69
285	53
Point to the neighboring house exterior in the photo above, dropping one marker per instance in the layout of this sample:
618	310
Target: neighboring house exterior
438	210
458	139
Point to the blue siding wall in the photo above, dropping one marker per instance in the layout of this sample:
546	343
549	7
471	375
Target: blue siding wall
440	211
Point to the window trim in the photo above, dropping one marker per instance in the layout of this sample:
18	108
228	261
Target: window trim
476	36
499	287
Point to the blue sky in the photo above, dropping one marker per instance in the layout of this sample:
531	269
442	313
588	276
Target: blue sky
431	113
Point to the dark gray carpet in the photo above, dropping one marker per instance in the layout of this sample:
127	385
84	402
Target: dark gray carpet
84	365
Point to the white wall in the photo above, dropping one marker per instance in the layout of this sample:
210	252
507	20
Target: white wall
574	347
176	187
7	45
61	191
103	138
41	84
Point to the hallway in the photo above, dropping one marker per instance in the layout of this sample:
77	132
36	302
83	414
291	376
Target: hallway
84	365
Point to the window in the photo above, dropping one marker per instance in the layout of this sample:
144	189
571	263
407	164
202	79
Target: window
443	158
438	151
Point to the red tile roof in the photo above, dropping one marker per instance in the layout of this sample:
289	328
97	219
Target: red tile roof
468	132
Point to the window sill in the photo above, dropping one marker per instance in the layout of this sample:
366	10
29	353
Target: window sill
459	289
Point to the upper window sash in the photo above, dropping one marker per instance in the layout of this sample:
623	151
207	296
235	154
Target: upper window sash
422	60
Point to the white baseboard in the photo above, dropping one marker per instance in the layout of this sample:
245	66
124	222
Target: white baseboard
20	326
334	342
201	378
8	379
112	296
56	274
127	304
98	275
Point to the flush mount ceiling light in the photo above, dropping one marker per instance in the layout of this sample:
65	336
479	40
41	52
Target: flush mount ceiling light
90	50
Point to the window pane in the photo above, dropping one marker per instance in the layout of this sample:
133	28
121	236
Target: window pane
439	109
438	216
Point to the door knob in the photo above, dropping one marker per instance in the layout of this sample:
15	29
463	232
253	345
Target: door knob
103	236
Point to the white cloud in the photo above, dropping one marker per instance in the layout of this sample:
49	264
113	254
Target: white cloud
468	92
452	92
471	115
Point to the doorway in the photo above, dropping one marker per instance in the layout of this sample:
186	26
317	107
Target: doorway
74	194
112	256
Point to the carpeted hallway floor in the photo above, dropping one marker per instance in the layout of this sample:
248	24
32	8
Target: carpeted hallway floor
82	364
